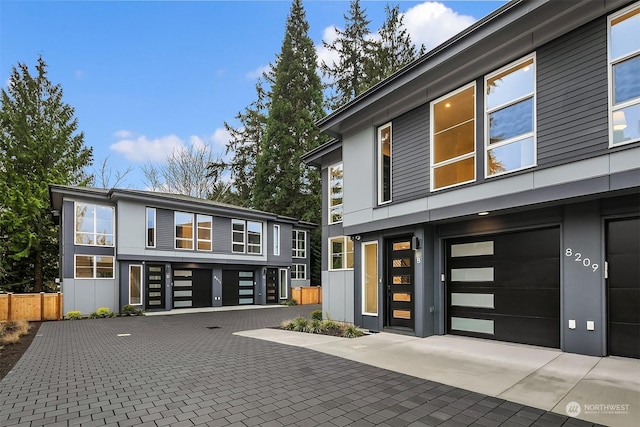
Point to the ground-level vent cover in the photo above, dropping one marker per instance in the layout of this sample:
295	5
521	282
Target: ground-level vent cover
213	327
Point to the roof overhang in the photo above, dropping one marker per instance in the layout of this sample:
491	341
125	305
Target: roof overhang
515	29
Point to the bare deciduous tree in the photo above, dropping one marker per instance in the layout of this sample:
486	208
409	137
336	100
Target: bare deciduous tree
186	172
104	175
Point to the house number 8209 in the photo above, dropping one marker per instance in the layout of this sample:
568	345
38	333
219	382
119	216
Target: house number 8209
577	257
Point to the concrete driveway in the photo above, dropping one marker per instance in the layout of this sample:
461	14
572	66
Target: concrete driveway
191	369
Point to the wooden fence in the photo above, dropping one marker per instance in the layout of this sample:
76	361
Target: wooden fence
34	307
307	295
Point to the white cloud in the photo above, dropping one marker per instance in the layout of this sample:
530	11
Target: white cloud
432	23
123	134
143	149
257	73
197	142
220	137
325	55
7	83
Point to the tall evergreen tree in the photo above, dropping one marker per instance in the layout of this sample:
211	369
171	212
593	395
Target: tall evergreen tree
282	183
354	47
394	49
243	147
39	144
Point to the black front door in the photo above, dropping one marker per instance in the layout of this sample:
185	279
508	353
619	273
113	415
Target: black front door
154	286
623	287
505	287
272	285
400	283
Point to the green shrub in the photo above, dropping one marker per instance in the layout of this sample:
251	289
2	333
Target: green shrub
291	302
129	310
315	326
102	313
316	314
74	315
300	324
351	331
287	325
331	325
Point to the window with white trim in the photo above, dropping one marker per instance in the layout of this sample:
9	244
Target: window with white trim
94	224
246	237
276	240
298	271
284	283
205	231
624	76
184	230
384	164
370	278
151	227
510	108
340	253
336	177
299	244
135	284
94	267
453	138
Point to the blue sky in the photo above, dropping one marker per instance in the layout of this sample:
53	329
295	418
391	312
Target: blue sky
148	77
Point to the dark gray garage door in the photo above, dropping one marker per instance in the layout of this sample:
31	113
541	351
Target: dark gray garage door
505	287
623	287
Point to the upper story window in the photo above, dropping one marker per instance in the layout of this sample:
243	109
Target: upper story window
510	118
298	271
384	164
299	244
151	227
624	76
246	236
205	227
184	230
453	138
335	193
276	240
94	224
340	253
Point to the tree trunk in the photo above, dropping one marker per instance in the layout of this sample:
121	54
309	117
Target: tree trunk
37	273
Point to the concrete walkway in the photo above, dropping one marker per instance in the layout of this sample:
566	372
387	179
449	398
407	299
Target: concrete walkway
542	378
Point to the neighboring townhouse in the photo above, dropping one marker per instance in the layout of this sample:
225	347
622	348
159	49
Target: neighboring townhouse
160	251
491	188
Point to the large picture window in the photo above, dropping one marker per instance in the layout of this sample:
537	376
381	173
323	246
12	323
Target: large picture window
384	163
246	237
135	284
184	230
151	227
335	193
93	267
510	104
370	278
340	253
453	139
299	244
94	224
205	227
624	76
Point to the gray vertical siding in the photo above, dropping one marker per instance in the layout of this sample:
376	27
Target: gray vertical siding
165	236
572	95
222	235
410	155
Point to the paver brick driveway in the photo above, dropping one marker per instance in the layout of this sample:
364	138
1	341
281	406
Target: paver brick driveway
189	369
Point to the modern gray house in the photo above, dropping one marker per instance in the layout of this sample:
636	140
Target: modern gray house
491	188
160	251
